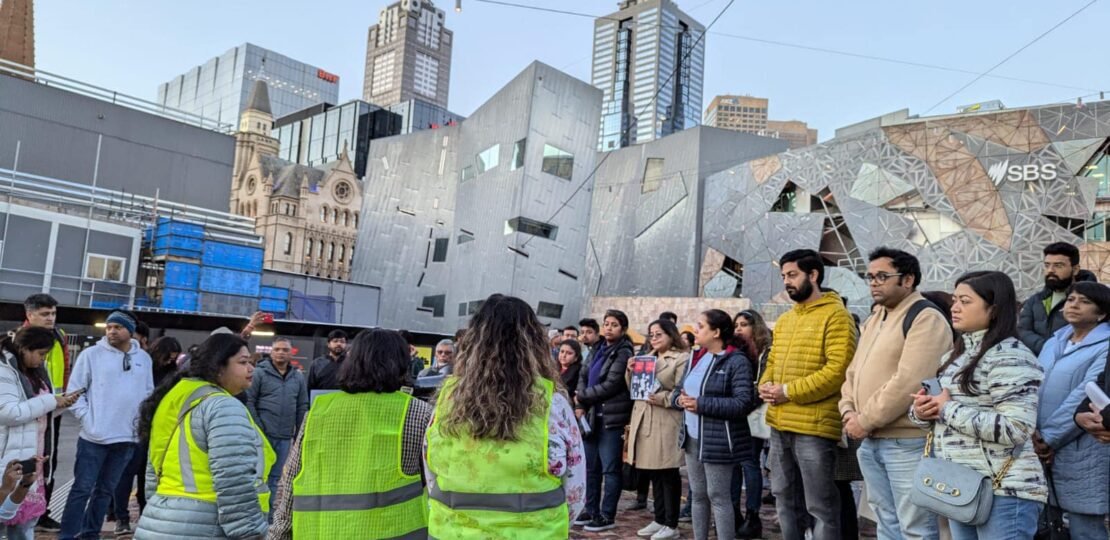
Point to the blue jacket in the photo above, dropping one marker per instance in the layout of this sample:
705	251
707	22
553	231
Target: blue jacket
727	397
1081	468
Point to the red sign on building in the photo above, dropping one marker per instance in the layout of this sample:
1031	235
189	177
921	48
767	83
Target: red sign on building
330	77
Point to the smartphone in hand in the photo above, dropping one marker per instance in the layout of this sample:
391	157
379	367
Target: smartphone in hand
28	465
1098	397
932	386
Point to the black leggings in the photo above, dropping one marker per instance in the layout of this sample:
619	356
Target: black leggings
666	485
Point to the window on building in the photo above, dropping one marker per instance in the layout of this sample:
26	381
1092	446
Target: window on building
1096	229
549	310
331	252
335	216
470	308
435	304
439	253
1099	167
383	73
287	246
324	214
532	227
557	162
342	253
426	75
467	173
104	267
489	158
346	218
464	237
321	254
308	248
356	220
518	154
653	175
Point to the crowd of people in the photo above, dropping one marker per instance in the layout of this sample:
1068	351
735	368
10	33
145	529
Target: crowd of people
533	431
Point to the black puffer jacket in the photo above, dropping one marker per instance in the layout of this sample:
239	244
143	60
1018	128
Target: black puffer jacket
609	397
727	397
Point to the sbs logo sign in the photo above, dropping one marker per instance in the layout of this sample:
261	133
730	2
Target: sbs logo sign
1030	172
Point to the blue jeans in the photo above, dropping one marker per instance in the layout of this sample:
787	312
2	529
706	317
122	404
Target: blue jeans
1087	526
96	472
888	466
603	461
748	474
23	531
802	481
134	472
281	448
1011	519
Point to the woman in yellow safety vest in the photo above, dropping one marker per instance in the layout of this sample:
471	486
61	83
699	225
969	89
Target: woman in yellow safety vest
504	455
208	460
355	471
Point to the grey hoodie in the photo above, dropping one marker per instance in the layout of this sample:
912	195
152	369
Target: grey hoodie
109	409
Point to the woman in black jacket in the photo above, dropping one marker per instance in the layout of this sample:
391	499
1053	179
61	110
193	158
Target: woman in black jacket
603	401
717	394
570	365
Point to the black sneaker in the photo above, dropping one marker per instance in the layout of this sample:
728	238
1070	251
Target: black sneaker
768	499
123	529
583	519
46	524
684	515
600	523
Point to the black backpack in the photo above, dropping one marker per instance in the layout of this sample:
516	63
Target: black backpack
915	310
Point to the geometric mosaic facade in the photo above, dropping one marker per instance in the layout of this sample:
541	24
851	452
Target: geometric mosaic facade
962	192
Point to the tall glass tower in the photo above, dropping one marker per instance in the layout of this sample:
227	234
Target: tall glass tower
650	70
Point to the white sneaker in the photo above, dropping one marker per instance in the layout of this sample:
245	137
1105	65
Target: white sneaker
809	534
650	529
666	533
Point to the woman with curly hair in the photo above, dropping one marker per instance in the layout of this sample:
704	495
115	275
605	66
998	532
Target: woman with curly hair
504	455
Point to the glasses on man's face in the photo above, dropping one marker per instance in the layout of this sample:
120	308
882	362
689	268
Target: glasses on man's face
127	361
879	277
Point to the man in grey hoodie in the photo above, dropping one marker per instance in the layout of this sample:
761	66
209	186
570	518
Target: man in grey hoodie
114	377
278	401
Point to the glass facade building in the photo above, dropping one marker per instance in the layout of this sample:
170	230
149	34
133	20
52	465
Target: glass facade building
318	134
218	89
417	115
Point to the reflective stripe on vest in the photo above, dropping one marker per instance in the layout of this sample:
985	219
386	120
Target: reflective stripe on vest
181	466
481	488
351	483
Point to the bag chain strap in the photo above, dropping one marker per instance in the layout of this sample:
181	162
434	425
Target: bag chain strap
996	481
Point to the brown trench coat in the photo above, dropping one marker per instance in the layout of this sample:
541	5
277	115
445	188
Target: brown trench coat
653	430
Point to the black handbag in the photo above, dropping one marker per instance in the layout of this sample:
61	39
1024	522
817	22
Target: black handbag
1051	526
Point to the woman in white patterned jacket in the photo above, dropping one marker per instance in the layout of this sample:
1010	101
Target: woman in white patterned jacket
988	406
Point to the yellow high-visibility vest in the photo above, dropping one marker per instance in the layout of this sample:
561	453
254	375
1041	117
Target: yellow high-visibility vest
182	467
351	483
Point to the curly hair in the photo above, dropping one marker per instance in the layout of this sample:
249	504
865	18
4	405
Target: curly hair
501	357
211	357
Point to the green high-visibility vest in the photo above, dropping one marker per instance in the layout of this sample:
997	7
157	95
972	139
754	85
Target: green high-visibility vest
481	489
182	466
351	484
56	362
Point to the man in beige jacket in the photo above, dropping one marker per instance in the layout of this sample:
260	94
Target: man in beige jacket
900	346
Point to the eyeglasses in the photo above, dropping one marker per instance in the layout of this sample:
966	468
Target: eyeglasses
879	278
127	361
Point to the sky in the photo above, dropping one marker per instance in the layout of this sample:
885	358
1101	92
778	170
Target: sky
132	46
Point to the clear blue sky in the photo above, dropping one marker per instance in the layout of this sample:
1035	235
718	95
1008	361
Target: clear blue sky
131	46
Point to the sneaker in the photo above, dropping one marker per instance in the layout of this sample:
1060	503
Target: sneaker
650	529
751	528
684	515
583	519
47	524
666	533
638	505
123	529
768	499
601	523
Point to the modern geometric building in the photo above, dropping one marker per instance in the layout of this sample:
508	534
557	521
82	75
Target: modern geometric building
408	55
648	61
498	203
971	191
218	89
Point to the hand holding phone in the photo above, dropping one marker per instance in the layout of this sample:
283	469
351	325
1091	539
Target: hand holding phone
268	318
932	386
28	466
1098	397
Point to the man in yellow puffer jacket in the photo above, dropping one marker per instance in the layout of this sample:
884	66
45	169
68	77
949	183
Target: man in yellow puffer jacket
814	343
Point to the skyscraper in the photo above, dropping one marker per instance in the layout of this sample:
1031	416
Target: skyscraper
218	89
648	62
408	55
749	115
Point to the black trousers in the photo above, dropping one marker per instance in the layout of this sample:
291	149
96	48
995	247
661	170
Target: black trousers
51	464
666	484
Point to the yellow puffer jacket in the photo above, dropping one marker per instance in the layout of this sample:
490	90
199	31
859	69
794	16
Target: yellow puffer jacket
813	346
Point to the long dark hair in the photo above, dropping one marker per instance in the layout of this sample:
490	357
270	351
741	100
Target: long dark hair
211	357
574	346
721	321
671	329
501	356
30	338
997	290
761	334
163	352
377	361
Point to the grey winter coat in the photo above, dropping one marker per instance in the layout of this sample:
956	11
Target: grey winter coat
1081	467
221	426
277	403
1035	325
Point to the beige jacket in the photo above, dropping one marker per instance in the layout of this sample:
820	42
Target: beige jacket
888	367
653	430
